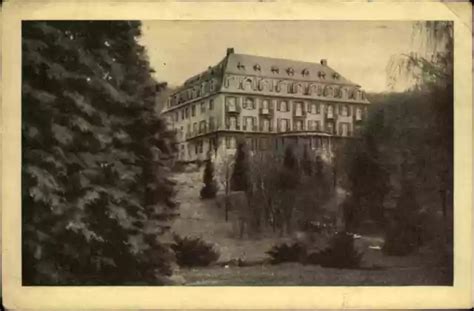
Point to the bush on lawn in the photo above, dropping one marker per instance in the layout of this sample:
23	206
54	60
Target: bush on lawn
340	254
193	252
291	252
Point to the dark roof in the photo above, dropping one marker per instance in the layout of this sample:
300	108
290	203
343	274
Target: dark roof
243	64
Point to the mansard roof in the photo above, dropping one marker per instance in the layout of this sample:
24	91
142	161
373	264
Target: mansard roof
243	64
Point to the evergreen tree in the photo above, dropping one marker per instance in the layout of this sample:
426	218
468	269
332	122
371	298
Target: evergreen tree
96	196
240	175
210	187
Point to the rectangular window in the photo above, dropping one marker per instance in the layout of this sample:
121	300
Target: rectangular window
344	129
202	127
283	106
211	104
201	146
195	128
330	111
203	107
358	114
298	125
284	125
193	110
266	125
231	104
299	109
330	127
248	103
233	123
249	123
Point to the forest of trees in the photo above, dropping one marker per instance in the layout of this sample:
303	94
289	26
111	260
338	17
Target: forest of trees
96	190
401	172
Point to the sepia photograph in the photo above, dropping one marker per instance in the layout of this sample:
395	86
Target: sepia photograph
237	153
281	155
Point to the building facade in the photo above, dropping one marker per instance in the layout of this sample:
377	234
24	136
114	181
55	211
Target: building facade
267	102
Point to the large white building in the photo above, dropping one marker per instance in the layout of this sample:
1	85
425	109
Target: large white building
267	102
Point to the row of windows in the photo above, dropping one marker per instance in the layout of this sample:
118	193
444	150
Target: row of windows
262	143
250	124
300	108
289	87
290	71
198	127
197	91
191	111
284	125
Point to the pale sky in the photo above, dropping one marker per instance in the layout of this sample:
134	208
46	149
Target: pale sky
358	50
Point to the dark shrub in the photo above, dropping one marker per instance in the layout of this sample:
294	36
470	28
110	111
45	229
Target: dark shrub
295	252
192	252
340	254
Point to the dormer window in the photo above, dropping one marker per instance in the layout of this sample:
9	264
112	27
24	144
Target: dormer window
240	66
275	69
335	76
305	72
290	71
322	74
256	67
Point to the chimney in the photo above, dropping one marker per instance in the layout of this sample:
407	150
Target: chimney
324	62
230	51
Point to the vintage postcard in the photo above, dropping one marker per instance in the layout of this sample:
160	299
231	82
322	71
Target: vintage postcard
237	155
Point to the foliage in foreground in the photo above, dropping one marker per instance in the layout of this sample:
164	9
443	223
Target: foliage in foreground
96	193
287	252
193	252
341	253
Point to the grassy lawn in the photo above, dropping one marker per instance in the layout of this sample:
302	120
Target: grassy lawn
202	218
297	274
